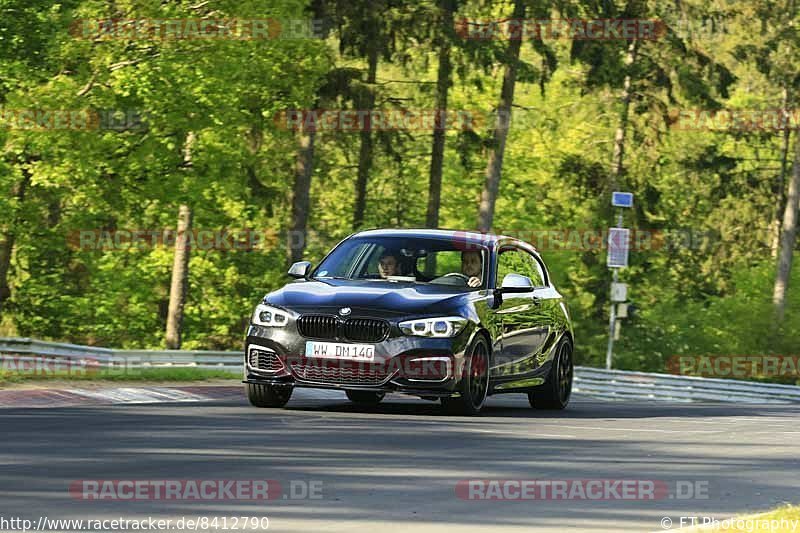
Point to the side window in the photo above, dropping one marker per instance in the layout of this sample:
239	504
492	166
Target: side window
516	261
536	271
510	261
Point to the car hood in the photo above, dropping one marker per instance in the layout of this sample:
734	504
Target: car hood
370	297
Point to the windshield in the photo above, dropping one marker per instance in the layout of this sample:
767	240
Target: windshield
408	260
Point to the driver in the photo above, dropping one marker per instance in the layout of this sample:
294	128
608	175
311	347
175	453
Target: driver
387	265
471	266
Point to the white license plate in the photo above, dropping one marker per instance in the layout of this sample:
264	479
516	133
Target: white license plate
336	350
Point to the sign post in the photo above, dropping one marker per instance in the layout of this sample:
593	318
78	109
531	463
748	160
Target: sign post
619	240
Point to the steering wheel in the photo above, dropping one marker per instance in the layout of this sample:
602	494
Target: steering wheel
464	277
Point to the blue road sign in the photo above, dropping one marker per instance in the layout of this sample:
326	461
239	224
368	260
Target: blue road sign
622	199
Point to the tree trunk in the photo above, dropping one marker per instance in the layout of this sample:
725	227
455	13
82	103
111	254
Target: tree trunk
9	239
365	152
622	126
442	87
781	196
788	236
180	277
495	164
180	262
303	171
261	194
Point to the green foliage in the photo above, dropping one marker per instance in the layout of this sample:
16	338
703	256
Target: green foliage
740	323
706	291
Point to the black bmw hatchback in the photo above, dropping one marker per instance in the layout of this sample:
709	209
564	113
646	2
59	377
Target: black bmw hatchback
444	315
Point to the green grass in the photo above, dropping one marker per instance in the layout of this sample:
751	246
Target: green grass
144	374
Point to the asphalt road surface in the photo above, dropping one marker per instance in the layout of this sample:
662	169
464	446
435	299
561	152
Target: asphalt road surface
397	467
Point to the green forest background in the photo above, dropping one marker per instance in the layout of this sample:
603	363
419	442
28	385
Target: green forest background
209	140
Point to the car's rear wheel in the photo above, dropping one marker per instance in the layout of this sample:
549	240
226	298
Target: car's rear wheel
267	396
475	383
556	392
364	397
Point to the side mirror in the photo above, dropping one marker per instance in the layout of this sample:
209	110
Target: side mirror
515	283
300	270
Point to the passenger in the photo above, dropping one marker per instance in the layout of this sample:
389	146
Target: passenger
387	265
471	266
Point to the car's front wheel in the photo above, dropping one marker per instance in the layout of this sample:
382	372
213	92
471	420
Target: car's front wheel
364	397
556	392
267	396
475	383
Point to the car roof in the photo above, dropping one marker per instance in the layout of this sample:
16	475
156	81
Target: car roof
466	236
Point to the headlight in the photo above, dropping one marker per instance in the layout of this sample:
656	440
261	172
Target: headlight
264	315
449	326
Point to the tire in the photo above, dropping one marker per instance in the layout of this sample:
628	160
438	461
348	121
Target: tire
267	395
556	392
475	384
364	397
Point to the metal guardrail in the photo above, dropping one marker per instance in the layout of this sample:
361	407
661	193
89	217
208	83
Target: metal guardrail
32	350
625	385
35	347
594	382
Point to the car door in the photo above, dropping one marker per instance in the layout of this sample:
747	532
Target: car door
522	317
550	316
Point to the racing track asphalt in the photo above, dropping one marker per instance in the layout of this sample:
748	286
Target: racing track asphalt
396	467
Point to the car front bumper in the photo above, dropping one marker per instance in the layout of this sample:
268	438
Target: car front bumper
419	366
